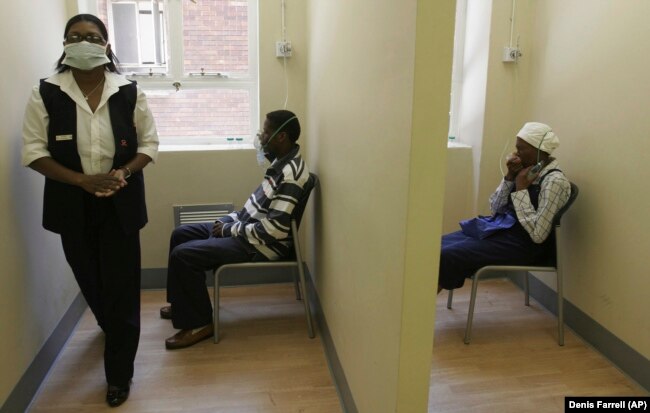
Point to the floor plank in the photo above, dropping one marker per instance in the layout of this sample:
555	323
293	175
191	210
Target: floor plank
264	363
513	363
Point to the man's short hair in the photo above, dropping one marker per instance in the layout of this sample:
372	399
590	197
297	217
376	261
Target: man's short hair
278	117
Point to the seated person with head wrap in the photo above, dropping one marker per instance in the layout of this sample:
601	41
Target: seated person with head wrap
523	208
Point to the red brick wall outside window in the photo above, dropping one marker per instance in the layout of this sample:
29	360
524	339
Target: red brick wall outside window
215	39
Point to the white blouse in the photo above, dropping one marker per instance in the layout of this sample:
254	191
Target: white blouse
95	140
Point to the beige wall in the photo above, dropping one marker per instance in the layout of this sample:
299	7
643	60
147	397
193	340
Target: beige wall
590	77
433	56
37	286
459	187
187	178
380	151
584	71
272	80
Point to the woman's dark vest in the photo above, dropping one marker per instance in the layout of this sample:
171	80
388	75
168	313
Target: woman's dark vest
482	227
547	247
63	204
533	192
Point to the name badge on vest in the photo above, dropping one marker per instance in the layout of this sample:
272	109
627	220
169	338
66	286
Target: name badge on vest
63	138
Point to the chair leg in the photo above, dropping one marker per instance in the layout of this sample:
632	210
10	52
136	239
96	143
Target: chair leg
215	313
449	298
296	285
303	288
560	308
526	289
470	313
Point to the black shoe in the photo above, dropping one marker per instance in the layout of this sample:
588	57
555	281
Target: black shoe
166	312
117	395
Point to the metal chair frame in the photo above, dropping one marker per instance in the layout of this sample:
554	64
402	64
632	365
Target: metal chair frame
294	264
558	269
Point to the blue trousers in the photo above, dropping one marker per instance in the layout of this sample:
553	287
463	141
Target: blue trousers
461	256
193	251
106	264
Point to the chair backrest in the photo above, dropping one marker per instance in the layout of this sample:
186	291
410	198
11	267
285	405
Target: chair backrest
299	209
553	256
572	197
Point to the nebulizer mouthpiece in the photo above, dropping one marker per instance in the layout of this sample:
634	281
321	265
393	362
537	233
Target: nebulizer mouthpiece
261	149
261	155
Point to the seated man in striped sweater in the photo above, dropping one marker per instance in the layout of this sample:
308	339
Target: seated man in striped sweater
258	232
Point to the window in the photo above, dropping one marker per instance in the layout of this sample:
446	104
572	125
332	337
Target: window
138	35
196	61
457	70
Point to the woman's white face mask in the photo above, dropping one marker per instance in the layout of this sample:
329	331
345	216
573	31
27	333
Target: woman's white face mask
85	55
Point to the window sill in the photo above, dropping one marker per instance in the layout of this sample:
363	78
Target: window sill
457	145
205	147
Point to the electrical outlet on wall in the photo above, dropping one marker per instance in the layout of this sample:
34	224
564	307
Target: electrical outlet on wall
283	49
510	54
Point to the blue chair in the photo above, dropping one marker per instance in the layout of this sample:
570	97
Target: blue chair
557	268
294	264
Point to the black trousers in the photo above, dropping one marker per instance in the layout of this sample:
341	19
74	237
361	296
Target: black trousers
106	264
193	251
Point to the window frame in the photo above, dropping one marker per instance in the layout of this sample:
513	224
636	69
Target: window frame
460	33
166	82
138	30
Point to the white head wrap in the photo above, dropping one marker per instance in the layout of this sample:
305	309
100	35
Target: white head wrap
540	136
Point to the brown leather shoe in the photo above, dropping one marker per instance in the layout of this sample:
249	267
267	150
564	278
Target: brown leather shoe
166	312
189	337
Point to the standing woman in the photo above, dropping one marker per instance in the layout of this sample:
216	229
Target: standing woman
90	132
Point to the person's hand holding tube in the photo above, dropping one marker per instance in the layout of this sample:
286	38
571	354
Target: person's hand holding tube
513	163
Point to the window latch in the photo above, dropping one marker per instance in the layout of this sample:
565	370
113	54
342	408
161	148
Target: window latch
151	73
203	73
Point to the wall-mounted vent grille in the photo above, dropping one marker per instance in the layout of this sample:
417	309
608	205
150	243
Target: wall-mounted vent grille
191	214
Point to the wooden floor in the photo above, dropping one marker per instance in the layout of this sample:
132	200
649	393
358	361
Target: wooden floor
265	362
513	363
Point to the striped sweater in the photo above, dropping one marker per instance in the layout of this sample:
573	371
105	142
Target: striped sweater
265	220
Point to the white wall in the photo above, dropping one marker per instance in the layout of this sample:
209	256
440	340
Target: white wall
37	286
475	75
379	149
